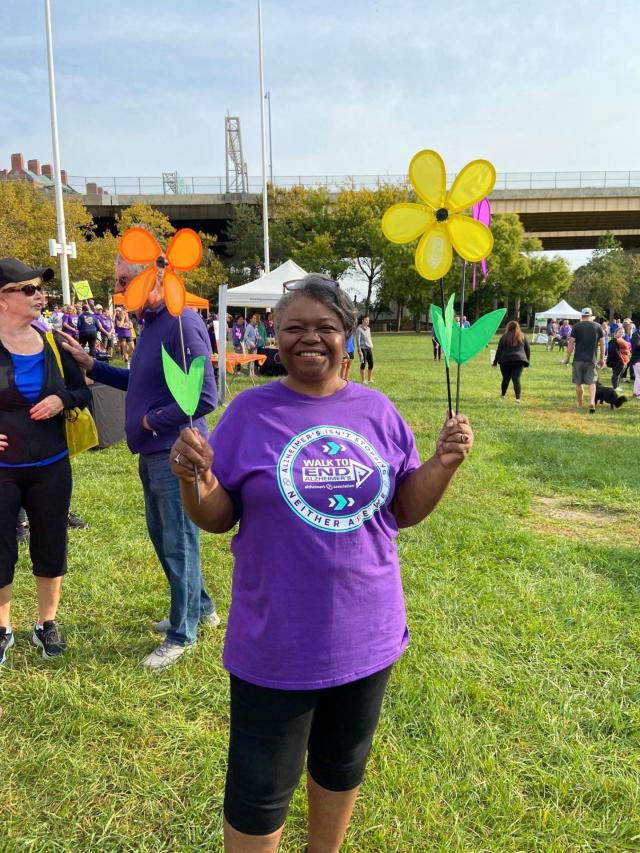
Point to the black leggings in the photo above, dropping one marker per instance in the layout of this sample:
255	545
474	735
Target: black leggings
511	373
45	493
270	732
366	357
617	372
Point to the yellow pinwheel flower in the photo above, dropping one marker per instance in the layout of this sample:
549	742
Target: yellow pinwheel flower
440	220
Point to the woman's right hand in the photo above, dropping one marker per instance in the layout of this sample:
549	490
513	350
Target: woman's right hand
190	449
4	442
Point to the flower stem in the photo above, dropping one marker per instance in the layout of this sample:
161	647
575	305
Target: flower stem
446	361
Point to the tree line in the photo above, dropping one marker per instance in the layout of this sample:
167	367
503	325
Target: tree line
334	234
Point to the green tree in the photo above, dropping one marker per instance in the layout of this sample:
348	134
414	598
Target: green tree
305	229
28	221
245	247
358	214
609	281
153	220
402	286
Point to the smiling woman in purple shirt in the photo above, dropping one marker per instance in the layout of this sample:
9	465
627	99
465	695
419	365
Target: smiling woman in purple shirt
320	473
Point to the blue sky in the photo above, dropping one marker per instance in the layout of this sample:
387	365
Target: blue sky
357	87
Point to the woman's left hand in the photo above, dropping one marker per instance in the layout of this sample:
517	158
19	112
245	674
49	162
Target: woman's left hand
454	442
47	408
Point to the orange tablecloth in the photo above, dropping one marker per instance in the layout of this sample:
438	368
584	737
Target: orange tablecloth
233	358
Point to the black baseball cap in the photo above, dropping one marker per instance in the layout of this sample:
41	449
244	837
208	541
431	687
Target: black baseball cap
13	271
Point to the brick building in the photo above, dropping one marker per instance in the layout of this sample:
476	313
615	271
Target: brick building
40	176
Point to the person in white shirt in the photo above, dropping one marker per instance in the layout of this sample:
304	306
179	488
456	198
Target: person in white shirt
365	350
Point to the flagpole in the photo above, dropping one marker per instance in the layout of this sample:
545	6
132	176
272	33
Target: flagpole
265	204
62	235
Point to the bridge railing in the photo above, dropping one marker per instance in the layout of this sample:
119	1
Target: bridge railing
155	185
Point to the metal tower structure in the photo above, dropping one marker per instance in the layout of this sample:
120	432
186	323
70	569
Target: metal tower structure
236	168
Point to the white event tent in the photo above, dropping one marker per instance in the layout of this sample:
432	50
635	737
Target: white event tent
265	291
561	311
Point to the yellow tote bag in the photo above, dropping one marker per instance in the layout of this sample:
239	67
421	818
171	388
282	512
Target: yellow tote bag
80	427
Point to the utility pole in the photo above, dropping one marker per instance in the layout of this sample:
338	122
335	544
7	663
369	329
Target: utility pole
268	97
61	247
265	203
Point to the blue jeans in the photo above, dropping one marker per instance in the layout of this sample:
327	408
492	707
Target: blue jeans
176	540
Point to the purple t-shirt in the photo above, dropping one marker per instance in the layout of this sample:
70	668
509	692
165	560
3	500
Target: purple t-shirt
71	320
317	596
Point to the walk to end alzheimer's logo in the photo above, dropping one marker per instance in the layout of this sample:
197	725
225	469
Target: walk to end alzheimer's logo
333	478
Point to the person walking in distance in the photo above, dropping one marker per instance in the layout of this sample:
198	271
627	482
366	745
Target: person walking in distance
365	349
585	341
513	356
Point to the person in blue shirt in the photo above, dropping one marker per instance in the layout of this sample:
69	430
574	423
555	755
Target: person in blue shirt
87	329
35	472
348	357
251	334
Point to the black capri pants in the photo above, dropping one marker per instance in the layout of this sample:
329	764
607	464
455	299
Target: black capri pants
366	357
45	494
270	732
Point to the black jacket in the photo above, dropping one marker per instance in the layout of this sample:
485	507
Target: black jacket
29	440
511	355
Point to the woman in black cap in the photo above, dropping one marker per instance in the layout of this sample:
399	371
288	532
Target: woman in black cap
35	471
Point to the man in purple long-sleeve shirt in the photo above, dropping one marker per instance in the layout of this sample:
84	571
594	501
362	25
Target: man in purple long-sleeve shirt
153	421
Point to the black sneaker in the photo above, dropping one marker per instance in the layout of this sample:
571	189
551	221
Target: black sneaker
49	639
6	641
74	522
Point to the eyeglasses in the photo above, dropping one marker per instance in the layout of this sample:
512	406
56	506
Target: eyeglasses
295	283
27	289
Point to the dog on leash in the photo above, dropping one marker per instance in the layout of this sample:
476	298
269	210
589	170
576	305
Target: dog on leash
608	395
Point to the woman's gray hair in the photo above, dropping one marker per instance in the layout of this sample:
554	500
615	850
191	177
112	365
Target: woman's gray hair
316	286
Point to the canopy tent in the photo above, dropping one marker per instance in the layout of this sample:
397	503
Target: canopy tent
265	291
193	301
561	311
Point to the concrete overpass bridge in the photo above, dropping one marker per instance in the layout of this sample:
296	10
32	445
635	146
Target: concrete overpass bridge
565	210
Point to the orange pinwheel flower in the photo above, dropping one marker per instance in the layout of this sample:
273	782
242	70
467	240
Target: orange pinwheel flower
138	246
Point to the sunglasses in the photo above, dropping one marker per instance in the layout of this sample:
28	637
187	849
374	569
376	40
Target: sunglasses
295	283
27	289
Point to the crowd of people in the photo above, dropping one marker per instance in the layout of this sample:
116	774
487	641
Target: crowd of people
593	345
101	331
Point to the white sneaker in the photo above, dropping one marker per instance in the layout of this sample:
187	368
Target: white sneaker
618	390
164	656
211	620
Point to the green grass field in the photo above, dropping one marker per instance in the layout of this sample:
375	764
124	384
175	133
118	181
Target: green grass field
512	723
